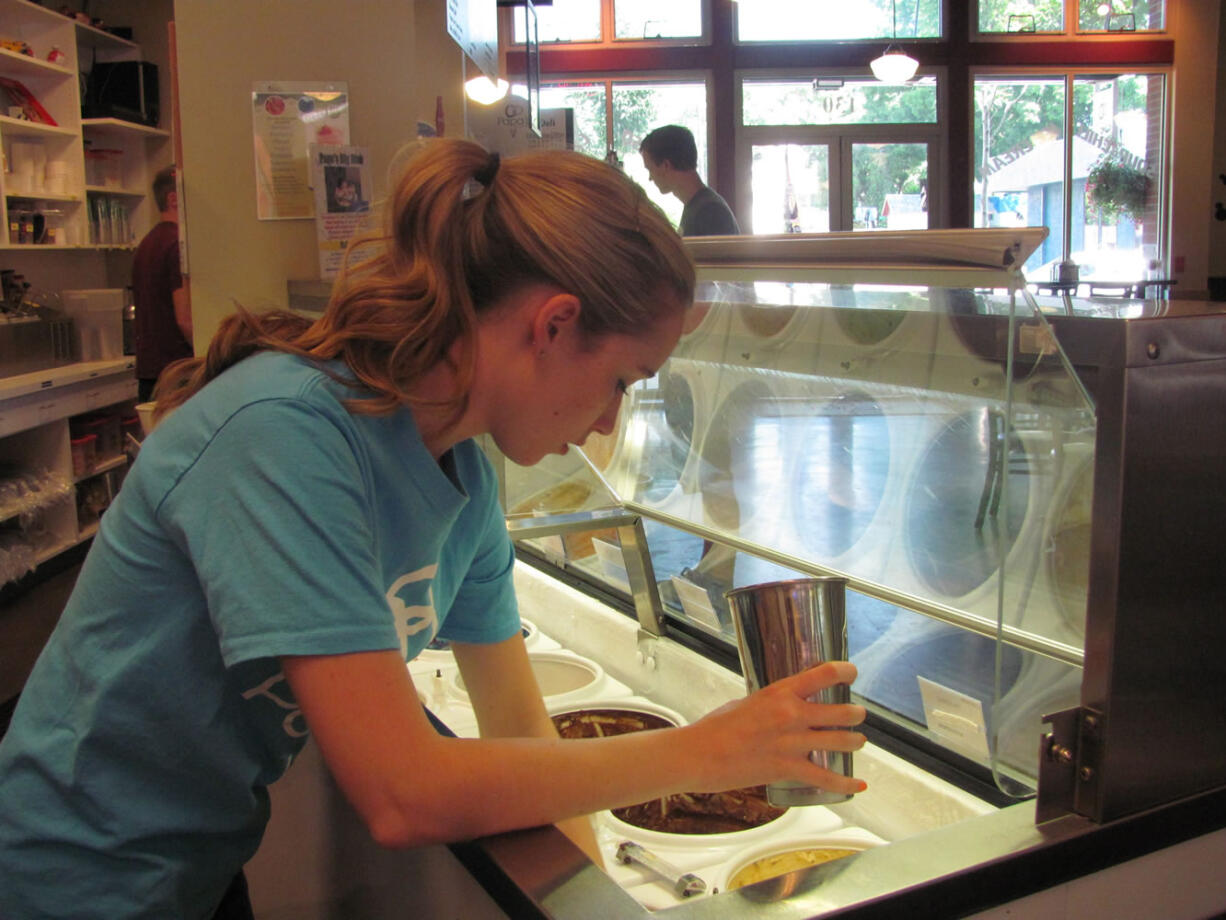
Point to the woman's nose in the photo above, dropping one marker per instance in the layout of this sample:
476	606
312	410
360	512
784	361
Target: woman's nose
607	423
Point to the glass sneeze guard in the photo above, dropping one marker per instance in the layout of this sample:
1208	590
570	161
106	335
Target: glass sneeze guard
844	404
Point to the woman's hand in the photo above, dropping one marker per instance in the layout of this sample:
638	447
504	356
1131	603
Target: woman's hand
767	736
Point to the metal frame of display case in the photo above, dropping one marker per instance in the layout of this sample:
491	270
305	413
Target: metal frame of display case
633	542
1141	763
1151	727
951	872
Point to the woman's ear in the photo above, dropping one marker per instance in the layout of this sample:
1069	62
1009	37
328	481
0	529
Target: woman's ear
556	316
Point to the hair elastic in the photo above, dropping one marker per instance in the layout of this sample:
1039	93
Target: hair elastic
485	175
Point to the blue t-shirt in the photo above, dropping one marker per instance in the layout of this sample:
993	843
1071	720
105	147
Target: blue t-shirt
261	519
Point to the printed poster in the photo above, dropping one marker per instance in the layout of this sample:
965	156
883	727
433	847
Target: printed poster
340	180
287	119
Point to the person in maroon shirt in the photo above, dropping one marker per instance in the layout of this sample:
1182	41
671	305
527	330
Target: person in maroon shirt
163	321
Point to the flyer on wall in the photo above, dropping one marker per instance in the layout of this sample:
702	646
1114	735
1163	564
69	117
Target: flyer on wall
287	118
340	179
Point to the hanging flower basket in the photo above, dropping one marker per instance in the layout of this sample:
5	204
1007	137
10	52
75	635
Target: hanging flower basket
1116	189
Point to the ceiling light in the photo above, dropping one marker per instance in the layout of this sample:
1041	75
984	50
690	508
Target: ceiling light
485	91
894	66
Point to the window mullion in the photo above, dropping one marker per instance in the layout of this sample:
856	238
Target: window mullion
1069	143
608	107
608	22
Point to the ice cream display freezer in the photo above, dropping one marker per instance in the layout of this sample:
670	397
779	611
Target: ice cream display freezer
1024	502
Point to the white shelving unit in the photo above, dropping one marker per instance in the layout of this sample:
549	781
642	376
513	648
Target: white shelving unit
37	411
127	165
49	168
33	149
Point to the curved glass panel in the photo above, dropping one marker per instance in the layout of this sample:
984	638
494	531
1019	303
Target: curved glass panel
845	404
871	420
843	465
955	500
740	455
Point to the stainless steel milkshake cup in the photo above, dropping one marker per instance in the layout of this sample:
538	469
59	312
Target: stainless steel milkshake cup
782	628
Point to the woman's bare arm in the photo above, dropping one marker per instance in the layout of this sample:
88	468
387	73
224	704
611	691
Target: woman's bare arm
413	786
507	701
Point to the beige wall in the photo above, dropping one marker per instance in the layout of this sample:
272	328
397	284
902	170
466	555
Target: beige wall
439	68
226	45
1194	25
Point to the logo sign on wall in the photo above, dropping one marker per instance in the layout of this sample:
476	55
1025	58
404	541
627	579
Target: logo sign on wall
506	127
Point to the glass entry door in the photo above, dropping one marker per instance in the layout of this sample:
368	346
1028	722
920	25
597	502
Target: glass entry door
889	185
837	152
842	184
790	188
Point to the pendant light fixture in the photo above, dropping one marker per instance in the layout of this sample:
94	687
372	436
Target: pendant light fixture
481	89
894	65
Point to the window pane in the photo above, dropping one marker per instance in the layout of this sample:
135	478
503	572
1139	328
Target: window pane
854	102
790	184
588	101
806	20
1102	16
892	180
1019	161
652	19
1115	196
1117	147
639	108
1026	16
564	21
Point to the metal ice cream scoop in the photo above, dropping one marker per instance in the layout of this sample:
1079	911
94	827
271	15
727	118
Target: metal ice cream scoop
685	884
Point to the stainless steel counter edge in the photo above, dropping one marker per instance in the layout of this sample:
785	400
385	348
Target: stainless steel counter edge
949	872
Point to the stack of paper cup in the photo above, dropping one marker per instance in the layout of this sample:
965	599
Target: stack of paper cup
22	162
39	173
57	177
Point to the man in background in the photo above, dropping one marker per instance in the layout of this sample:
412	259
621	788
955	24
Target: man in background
671	158
163	321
